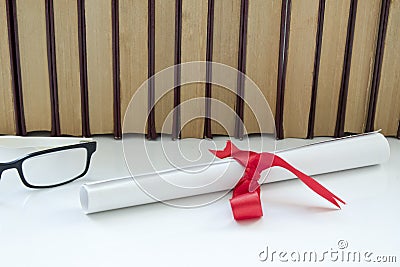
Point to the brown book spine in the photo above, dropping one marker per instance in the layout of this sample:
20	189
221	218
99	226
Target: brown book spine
282	65
151	127
7	100
387	106
398	131
317	60
244	11
83	67
380	46
344	87
209	51
177	79
116	70
51	58
15	66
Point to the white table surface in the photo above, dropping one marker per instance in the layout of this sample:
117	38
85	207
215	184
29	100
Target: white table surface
48	228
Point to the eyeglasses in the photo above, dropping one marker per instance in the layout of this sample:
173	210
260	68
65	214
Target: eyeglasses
49	167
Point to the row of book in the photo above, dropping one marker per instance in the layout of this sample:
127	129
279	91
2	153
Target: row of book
326	67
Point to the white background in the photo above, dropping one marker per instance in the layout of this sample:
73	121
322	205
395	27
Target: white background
48	227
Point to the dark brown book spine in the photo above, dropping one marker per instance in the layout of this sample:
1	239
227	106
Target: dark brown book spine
177	79
398	131
52	67
244	11
15	66
317	60
209	52
282	64
380	46
83	68
151	125
344	86
116	70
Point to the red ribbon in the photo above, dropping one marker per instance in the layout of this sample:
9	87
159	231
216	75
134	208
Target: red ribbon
245	201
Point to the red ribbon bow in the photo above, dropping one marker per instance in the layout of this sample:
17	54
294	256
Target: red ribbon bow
245	201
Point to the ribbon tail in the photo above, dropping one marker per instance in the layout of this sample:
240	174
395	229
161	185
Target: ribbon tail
227	151
310	182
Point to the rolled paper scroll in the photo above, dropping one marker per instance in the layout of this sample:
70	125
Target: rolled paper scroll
319	158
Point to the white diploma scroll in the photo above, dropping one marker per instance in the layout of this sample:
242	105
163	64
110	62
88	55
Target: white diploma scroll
319	158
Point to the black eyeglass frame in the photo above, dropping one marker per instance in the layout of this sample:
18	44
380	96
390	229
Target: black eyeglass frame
17	163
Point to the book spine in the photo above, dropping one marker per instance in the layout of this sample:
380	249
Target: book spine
387	107
15	67
151	127
380	46
51	59
344	87
83	68
282	65
398	131
244	11
116	70
176	127
7	101
317	60
209	54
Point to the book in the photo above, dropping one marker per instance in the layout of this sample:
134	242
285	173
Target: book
34	68
326	68
263	30
361	70
67	67
225	47
387	114
7	112
164	58
99	65
300	63
334	34
133	48
193	48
